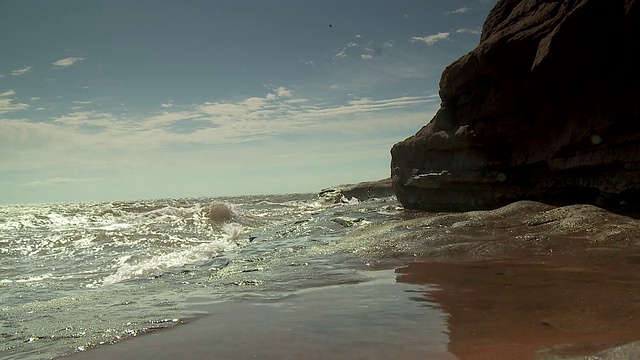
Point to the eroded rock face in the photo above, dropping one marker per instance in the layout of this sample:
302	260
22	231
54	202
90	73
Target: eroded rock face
547	108
361	191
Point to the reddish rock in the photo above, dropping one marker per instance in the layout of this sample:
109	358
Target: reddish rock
547	108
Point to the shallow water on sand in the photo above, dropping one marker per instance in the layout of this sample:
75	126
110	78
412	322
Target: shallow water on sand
376	319
536	308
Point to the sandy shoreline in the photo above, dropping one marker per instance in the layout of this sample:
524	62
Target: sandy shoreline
377	319
547	307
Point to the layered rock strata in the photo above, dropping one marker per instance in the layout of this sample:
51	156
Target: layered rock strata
361	191
547	108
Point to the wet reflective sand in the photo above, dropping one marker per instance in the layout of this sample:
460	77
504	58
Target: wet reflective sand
378	319
552	306
542	307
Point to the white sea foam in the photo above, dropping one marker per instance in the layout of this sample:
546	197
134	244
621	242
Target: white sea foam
352	201
232	231
157	265
34	278
114	227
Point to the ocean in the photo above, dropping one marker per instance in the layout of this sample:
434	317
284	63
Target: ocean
74	276
314	276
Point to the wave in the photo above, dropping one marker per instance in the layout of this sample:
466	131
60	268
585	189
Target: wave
159	264
218	212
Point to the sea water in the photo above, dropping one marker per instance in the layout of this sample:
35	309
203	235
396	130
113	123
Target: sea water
79	275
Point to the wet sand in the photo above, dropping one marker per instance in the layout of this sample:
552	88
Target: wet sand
378	319
549	307
544	307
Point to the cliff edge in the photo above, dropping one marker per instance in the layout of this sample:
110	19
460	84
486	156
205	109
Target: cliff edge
546	108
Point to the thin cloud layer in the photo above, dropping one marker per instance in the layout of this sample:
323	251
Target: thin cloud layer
431	39
66	62
462	10
7	105
476	31
55	181
22	71
365	50
277	115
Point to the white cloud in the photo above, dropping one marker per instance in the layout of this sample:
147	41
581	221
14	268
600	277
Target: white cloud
462	10
55	181
361	106
35	98
431	39
83	102
363	50
7	93
7	105
283	92
66	62
250	116
21	71
27	145
166	119
468	31
233	113
341	54
89	139
167	104
88	118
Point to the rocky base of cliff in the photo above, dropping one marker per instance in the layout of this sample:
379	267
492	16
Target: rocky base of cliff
361	191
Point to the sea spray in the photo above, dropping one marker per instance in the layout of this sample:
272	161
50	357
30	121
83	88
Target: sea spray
156	265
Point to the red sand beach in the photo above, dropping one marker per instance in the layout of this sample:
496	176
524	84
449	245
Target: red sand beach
506	309
379	319
545	307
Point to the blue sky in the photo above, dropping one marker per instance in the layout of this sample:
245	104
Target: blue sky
125	100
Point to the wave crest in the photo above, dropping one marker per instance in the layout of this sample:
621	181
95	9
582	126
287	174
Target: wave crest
218	213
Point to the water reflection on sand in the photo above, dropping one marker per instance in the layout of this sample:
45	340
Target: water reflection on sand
537	307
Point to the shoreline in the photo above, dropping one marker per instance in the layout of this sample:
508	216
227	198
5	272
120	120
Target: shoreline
526	281
335	321
563	307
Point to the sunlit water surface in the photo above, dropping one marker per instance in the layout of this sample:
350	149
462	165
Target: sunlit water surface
75	276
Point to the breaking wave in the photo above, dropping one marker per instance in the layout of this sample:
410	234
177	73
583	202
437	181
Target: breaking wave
157	265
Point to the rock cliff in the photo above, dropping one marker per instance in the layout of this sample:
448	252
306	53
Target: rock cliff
547	107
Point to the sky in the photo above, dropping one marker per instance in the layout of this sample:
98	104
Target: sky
127	100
